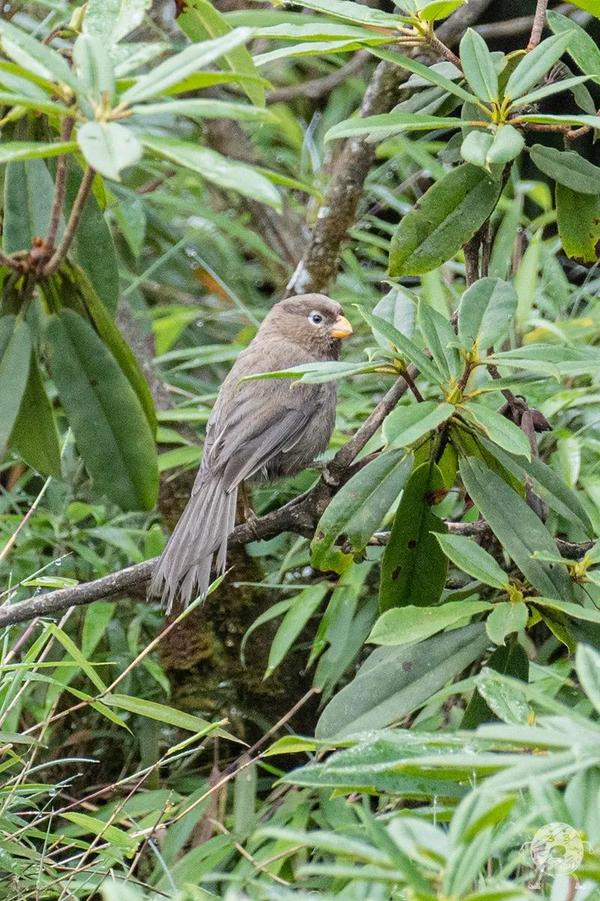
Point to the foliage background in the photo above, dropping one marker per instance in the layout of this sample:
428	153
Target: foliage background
124	776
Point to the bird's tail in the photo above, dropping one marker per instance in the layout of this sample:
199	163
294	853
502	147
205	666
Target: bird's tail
184	569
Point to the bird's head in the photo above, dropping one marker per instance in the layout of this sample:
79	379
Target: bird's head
314	321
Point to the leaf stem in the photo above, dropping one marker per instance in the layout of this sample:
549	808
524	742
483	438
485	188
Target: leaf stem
538	24
71	227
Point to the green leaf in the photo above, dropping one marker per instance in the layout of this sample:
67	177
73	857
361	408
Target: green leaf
34	436
111	20
404	345
428	73
505	619
575	611
578	217
206	109
510	659
358	509
164	714
409	423
535	64
15	360
562	499
413	569
499	429
587	665
34	56
352	12
28	191
109	425
214	167
109	148
201	19
117	837
440	339
93	245
388	124
567	168
398	307
405	625
555	87
439	9
396	681
94	68
478	65
29	150
473	559
582	48
486	312
516	526
294	621
476	146
114	340
506	146
178	67
590	6
448	215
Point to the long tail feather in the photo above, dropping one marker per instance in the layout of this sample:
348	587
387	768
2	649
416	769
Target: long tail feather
184	569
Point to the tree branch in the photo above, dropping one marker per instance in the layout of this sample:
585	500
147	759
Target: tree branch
300	516
59	187
71	227
318	265
538	24
319	86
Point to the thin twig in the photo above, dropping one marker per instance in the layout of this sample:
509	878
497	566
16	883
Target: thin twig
71	227
60	185
318	87
538	24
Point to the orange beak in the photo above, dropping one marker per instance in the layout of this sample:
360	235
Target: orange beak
341	328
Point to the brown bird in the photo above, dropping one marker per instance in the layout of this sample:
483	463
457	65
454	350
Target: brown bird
259	430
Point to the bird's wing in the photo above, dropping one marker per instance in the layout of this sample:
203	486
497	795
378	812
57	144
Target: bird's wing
253	421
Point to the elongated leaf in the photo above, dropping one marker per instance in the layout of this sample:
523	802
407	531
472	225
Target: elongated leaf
388	124
439	9
294	621
358	509
413	570
110	428
535	65
440	339
473	559
111	20
406	347
28	190
556	87
575	611
396	681
587	664
201	19
505	619
352	12
567	168
93	245
499	429
117	837
215	168
15	360
407	424
178	67
34	436
205	109
478	65
582	48
516	526
448	215
164	714
405	625
398	307
486	312
34	56
431	75
29	150
113	339
552	490
109	148
578	218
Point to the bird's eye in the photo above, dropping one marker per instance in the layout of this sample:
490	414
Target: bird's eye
316	318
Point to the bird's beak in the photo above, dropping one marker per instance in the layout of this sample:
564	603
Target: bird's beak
341	328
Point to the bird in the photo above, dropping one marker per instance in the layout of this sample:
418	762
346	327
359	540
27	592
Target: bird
258	430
